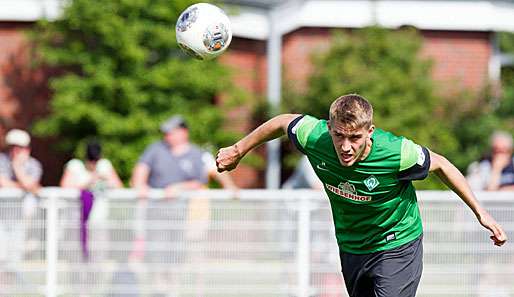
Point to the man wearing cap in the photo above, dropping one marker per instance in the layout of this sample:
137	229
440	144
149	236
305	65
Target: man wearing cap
174	164
18	169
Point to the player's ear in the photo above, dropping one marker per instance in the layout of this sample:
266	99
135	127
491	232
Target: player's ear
370	130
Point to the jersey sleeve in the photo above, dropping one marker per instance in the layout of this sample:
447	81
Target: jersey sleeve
414	161
299	130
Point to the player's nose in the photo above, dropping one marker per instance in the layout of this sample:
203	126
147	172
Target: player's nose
345	146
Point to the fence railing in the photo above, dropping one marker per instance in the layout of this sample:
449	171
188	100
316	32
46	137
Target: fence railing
205	243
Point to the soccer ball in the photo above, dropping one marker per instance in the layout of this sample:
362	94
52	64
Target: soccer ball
203	31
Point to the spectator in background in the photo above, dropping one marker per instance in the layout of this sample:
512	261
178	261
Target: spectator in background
94	174
494	172
18	169
21	171
174	164
92	178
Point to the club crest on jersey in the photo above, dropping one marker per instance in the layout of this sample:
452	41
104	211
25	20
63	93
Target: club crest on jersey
347	190
371	182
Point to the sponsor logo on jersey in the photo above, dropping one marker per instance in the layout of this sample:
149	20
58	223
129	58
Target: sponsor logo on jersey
347	190
371	182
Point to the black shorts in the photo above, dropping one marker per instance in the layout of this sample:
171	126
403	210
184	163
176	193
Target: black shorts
394	272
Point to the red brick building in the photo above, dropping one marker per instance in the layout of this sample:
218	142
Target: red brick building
459	36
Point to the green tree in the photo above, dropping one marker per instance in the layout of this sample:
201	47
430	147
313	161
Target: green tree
385	67
121	75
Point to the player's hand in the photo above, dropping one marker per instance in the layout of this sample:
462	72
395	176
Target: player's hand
499	237
228	158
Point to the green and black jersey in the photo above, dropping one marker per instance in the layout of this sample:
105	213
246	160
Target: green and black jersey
373	202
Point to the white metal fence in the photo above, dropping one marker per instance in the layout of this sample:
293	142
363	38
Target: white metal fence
267	243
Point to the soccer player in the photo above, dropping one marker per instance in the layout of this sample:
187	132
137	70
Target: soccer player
367	174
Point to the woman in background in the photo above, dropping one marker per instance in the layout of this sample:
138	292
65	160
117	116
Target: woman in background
92	178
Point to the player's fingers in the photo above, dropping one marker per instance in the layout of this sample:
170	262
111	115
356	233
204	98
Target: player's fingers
499	233
496	234
496	241
499	237
220	168
502	236
495	231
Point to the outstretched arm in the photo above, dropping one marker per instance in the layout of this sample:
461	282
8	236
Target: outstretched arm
452	177
228	157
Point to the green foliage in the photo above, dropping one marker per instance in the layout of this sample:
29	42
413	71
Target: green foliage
506	42
122	74
383	66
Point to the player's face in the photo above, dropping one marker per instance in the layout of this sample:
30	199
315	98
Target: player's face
351	145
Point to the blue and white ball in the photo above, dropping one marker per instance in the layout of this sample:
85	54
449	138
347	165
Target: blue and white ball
203	31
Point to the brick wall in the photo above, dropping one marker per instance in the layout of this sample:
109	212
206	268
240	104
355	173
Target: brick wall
11	43
24	93
461	59
298	47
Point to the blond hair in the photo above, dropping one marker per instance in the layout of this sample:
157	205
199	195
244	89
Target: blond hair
353	111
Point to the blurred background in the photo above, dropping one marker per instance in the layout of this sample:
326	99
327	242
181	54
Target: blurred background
72	71
438	72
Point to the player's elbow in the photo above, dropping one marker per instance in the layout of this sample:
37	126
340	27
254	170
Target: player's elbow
285	119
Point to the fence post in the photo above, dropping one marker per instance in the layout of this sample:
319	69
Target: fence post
304	248
51	243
